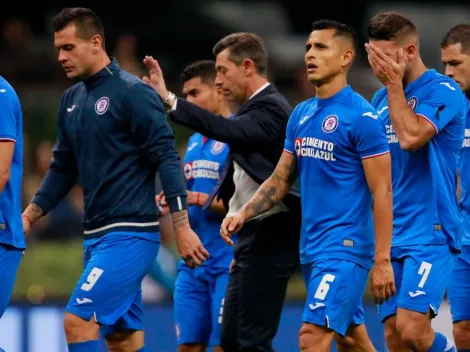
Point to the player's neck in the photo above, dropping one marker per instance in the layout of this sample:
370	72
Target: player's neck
101	62
417	69
253	85
224	110
327	89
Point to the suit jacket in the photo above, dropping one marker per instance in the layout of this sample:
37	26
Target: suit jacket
255	136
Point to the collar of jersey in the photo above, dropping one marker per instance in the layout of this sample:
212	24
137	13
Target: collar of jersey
339	95
421	80
105	73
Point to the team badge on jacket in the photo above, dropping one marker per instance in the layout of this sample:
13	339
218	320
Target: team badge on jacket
101	105
217	147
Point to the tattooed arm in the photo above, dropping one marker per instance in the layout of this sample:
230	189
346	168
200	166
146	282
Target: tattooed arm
274	189
31	214
270	193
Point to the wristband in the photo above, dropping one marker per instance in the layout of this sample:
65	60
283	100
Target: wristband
27	218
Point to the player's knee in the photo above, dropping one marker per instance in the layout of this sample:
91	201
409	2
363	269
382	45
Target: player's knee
78	329
125	341
313	338
345	343
191	348
461	332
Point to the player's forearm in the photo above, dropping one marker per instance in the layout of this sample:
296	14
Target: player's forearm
383	222
404	120
216	205
56	185
33	213
180	220
172	181
269	194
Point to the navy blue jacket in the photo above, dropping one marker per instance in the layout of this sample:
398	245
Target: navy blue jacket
113	137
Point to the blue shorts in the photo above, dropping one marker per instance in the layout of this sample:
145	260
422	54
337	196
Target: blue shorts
10	258
334	294
109	288
458	290
198	305
422	273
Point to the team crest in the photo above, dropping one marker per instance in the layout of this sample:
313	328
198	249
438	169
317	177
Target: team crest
188	170
217	147
330	123
413	102
102	105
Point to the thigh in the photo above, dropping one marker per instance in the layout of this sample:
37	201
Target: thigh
426	273
10	259
192	308
229	333
219	288
261	294
389	308
111	281
334	294
458	290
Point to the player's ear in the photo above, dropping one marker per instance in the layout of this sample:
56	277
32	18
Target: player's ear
411	51
96	43
249	67
347	58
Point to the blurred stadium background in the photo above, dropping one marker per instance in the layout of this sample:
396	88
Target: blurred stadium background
176	33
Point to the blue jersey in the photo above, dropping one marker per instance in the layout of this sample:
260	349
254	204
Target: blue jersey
465	181
330	138
425	207
203	164
11	129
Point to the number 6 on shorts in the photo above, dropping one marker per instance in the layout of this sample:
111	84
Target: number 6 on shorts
324	286
94	275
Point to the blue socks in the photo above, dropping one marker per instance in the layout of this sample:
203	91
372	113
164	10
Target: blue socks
441	344
87	346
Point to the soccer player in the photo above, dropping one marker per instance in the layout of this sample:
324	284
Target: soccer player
339	149
424	115
455	54
199	293
112	138
12	241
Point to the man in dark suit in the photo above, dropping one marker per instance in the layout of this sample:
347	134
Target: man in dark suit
267	254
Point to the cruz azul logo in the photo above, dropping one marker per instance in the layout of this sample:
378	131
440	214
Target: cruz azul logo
202	169
314	148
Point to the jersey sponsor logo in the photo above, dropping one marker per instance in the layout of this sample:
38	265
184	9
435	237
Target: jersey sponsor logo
202	169
391	136
217	147
314	148
330	123
413	102
466	140
102	105
370	114
382	110
83	300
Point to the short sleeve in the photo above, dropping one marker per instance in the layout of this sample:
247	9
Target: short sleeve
369	135
289	144
444	103
7	119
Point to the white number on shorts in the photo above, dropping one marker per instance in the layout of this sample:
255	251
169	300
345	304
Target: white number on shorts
424	270
323	288
92	278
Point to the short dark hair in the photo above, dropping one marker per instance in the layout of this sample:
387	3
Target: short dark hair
341	29
87	22
458	34
203	68
243	46
390	26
